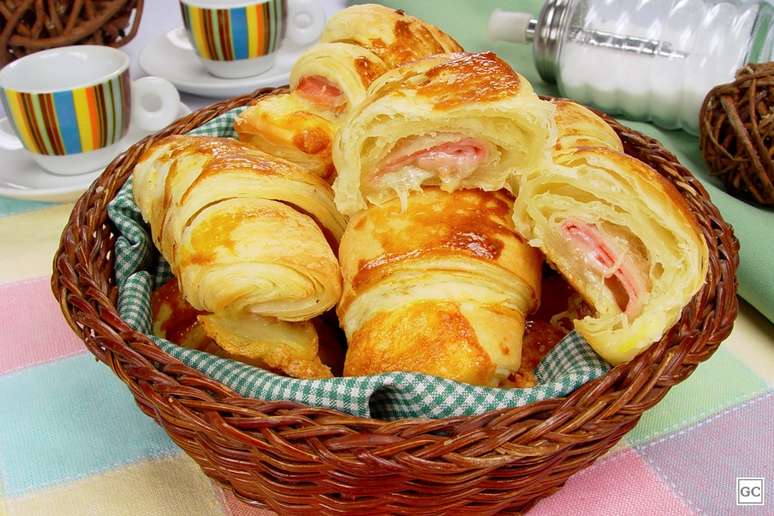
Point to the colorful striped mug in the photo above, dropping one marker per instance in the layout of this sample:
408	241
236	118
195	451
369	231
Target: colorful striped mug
238	38
70	107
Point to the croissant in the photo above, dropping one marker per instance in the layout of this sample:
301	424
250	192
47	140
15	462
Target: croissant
268	343
290	127
393	35
454	120
578	126
244	232
292	348
325	82
331	78
623	237
441	287
335	76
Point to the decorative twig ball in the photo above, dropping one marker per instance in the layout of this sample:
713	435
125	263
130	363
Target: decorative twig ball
736	127
27	26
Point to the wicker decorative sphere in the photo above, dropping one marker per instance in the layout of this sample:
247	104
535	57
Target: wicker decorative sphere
27	26
736	127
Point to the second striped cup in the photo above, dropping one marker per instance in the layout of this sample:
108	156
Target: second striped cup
238	38
70	107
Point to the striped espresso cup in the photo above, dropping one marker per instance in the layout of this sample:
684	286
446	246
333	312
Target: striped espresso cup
238	38
70	107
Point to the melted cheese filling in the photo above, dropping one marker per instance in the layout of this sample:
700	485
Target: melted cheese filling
446	158
623	273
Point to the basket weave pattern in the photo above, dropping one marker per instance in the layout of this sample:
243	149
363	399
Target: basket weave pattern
297	459
27	26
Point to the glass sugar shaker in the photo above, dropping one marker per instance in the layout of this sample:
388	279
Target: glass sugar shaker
642	59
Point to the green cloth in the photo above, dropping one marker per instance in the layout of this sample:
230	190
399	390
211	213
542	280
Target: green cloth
139	270
467	21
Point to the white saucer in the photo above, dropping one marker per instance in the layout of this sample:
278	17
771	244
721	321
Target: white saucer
22	178
182	68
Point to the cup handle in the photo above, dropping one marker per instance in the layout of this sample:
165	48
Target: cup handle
306	21
179	38
155	103
8	139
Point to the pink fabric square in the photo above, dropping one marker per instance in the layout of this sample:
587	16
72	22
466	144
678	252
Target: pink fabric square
623	484
32	328
705	460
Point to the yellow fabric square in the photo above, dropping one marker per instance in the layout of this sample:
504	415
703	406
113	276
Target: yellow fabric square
28	241
169	486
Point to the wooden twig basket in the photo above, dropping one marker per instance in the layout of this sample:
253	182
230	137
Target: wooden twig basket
27	26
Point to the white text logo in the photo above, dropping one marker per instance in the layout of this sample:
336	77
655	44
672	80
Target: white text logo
749	491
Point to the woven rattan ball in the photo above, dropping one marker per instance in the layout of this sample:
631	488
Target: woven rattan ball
736	126
27	26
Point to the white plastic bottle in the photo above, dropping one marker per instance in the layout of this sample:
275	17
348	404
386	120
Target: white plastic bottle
642	59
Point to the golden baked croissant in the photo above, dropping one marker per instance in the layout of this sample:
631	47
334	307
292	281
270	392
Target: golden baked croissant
325	82
265	342
623	237
578	126
290	127
244	232
335	76
441	287
455	120
292	348
393	35
329	79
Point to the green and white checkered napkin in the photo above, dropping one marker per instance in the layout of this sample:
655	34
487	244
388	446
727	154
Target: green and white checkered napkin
140	269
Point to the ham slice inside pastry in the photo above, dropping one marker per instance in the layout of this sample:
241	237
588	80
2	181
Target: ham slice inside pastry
452	159
449	157
322	93
624	275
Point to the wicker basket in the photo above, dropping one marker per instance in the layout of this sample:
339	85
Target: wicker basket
296	459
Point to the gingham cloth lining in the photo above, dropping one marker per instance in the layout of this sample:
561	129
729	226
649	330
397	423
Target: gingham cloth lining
139	269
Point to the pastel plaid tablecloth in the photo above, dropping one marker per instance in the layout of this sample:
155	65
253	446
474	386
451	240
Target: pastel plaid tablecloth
73	443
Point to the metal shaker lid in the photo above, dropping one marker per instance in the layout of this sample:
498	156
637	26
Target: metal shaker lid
544	32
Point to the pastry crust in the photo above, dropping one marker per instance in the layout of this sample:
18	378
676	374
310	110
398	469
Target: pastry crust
265	342
350	68
330	79
244	232
578	126
289	127
291	348
462	103
393	35
441	287
298	128
623	237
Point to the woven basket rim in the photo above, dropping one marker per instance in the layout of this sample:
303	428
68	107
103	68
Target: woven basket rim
565	434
